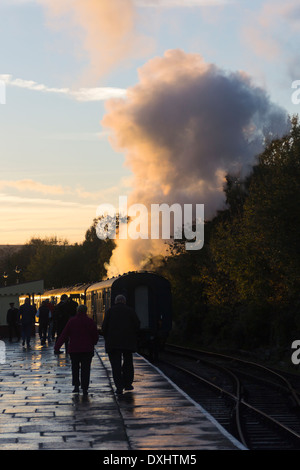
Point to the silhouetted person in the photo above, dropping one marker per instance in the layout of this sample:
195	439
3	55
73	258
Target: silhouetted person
44	318
27	317
13	321
50	334
61	316
120	330
73	305
83	335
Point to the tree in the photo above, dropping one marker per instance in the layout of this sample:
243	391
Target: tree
47	254
242	288
258	249
96	253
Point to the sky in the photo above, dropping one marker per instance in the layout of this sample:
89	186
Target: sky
86	82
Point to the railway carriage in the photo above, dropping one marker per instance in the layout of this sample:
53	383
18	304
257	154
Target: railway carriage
147	293
76	293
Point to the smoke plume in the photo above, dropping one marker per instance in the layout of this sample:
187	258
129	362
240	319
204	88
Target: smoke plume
183	127
106	30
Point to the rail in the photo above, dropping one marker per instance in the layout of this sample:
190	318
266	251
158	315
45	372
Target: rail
241	405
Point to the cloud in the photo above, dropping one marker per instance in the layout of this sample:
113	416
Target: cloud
182	128
32	186
35	203
29	208
272	32
83	94
141	3
26	217
106	30
182	3
97	94
5	3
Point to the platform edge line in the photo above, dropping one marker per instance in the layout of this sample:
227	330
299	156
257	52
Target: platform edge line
227	434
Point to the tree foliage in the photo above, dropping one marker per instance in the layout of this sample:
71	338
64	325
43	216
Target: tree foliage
243	287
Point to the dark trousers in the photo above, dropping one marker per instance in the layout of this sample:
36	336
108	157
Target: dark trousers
43	327
122	367
81	362
13	328
26	333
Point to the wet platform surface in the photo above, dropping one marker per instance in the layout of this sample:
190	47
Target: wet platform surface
38	410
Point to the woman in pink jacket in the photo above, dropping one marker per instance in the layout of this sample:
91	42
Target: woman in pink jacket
81	331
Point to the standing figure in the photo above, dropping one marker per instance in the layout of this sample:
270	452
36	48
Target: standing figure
61	316
50	305
120	330
27	316
72	307
44	317
83	335
13	320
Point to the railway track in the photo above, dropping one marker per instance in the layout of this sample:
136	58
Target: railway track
258	405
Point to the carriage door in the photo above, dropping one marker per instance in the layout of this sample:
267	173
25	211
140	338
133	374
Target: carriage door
141	302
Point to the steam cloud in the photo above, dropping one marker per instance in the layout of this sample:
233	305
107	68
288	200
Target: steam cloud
106	29
183	127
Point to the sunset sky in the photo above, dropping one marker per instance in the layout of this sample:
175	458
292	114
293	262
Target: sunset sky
63	142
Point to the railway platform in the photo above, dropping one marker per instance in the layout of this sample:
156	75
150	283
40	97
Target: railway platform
38	410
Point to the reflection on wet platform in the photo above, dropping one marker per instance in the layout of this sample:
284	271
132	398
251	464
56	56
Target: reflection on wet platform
39	411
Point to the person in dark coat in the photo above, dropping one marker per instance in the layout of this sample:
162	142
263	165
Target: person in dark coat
44	317
27	316
61	316
73	305
13	320
83	335
120	330
50	306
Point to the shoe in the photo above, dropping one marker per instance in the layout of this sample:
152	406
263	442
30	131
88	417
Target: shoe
76	390
129	387
119	391
85	392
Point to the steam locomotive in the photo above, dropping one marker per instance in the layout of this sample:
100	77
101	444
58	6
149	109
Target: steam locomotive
147	293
